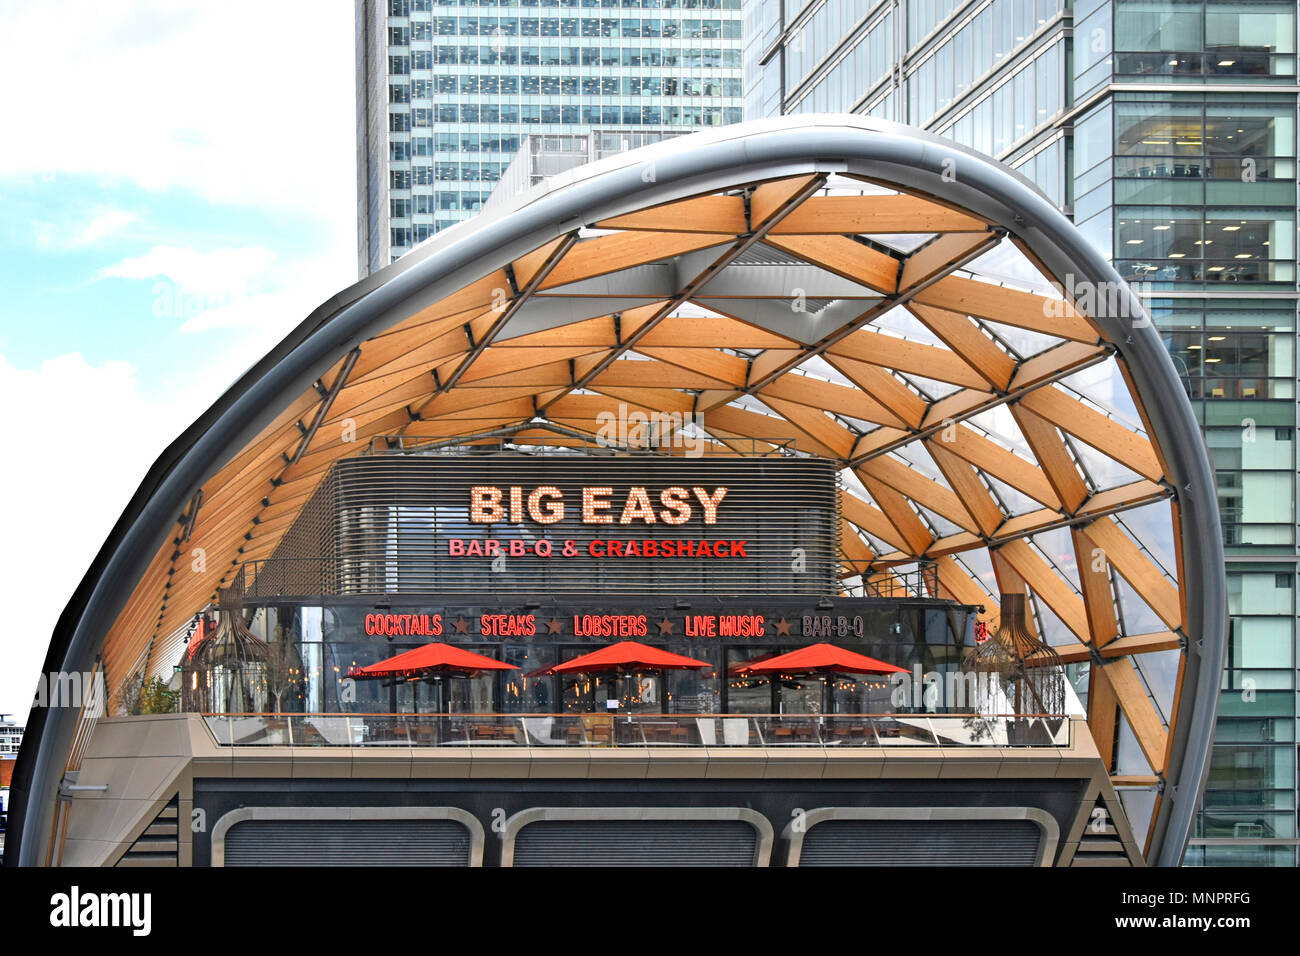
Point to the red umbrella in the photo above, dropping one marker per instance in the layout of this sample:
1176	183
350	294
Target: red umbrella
435	657
739	668
434	660
627	657
820	659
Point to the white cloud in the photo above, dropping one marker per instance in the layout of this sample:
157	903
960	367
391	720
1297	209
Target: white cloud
242	102
103	225
87	438
246	288
223	272
239	102
106	224
278	310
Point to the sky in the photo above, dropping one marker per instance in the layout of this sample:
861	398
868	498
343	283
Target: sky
177	192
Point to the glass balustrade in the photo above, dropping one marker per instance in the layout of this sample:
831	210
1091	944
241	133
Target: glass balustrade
645	731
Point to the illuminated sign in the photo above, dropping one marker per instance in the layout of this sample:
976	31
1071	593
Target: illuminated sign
610	625
725	625
404	625
596	548
196	638
560	623
489	504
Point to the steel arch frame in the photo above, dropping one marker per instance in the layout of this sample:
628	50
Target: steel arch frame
705	162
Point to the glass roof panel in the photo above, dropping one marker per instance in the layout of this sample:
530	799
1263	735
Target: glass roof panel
1014	502
999	424
752	404
1006	263
1137	614
860	424
1139	805
1104	470
1152	527
908	326
929	386
917	456
1053	629
693	310
902	242
1128	756
818	366
1026	342
980	567
853	484
878	545
1104	386
1160	671
942	526
1057	546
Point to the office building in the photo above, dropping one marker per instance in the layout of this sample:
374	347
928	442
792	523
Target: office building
11	736
448	91
1167	131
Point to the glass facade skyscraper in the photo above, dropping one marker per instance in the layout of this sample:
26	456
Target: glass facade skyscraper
448	89
1167	129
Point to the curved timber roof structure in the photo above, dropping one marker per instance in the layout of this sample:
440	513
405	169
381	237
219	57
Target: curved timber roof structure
992	391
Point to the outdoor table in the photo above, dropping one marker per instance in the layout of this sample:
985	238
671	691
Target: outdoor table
664	732
804	732
425	734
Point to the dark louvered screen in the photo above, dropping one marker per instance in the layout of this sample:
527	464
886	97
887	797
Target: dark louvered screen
347	843
921	843
395	523
636	843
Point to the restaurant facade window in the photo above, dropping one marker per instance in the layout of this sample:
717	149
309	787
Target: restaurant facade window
329	640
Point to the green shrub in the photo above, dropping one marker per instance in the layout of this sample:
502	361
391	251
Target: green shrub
155	698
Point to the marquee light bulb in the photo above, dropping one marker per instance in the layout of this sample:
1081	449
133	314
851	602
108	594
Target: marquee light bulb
593	498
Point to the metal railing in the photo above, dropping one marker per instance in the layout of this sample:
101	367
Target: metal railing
920	580
638	730
572	443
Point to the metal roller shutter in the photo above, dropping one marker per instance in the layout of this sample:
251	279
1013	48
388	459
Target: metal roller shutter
347	843
921	843
636	843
